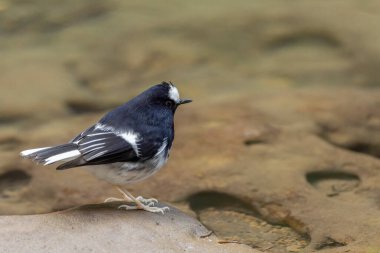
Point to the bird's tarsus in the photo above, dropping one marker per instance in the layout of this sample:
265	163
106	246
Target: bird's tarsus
112	199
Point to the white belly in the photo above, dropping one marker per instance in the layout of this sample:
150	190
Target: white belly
127	173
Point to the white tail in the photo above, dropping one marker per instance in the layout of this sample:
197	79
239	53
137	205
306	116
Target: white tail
67	156
49	155
28	152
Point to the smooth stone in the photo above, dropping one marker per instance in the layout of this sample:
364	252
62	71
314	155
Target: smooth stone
104	228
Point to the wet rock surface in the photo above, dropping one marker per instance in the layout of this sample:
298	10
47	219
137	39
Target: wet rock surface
280	149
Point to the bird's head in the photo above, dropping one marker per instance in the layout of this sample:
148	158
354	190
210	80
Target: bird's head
165	95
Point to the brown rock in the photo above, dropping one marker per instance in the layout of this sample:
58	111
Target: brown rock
101	228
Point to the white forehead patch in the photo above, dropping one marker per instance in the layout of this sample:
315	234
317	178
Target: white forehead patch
173	94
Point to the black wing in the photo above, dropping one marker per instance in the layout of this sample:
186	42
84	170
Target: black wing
99	146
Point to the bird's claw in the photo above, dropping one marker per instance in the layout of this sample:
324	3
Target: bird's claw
148	202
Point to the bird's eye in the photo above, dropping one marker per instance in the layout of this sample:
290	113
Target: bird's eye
169	103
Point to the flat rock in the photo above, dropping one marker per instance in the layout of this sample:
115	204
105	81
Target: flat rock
104	228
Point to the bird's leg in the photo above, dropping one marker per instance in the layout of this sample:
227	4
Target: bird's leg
142	204
141	200
149	202
126	198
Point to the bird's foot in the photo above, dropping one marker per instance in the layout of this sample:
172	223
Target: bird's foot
139	203
140	206
148	202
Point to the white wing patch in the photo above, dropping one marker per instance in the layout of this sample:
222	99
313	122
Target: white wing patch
98	154
96	134
131	137
100	139
174	94
94	146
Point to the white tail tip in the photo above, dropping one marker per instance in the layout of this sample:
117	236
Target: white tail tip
31	151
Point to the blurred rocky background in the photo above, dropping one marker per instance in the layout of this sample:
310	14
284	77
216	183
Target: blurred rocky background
279	150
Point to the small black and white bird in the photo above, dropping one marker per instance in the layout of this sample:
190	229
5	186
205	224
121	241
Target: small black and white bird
134	140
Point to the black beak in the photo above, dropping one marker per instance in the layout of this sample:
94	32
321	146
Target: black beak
185	101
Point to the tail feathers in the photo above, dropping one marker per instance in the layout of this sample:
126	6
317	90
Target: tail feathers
71	164
49	155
